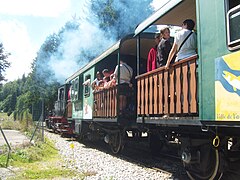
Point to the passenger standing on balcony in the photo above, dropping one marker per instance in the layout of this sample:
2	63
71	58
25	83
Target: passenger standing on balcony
106	74
164	47
112	81
185	42
96	81
126	73
152	55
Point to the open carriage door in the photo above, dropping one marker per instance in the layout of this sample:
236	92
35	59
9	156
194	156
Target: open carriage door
87	94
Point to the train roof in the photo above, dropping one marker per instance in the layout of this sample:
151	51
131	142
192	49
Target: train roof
126	46
174	12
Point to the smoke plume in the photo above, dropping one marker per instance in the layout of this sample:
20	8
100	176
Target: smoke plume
94	33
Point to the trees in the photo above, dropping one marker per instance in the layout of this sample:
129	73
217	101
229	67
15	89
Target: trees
3	62
105	13
120	17
8	97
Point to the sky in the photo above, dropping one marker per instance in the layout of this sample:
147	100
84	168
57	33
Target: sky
25	24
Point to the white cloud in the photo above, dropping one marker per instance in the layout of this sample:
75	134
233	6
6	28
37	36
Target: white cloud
16	40
44	8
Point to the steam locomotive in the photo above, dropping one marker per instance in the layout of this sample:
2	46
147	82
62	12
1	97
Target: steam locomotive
196	101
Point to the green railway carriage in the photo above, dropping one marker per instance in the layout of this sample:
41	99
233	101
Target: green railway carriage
199	94
217	27
195	101
90	110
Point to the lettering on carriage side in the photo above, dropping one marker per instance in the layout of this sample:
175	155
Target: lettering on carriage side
221	116
233	116
236	116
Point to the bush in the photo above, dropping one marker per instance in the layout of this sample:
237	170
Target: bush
23	124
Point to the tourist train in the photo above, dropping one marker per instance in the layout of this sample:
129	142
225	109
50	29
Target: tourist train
196	101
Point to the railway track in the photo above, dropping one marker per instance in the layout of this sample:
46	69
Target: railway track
165	161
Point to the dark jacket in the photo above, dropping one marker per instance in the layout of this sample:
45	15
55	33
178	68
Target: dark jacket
163	51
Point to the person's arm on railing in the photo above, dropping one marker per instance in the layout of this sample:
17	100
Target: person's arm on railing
171	55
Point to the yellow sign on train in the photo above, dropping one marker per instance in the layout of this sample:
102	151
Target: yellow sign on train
227	87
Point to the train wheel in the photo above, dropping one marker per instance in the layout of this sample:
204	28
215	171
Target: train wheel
232	162
117	144
232	172
207	166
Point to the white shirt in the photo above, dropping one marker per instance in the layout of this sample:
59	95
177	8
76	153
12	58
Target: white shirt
97	81
126	73
190	45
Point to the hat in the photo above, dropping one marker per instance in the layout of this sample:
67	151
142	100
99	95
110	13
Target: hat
105	71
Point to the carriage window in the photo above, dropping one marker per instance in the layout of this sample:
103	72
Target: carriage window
74	90
233	25
61	94
86	84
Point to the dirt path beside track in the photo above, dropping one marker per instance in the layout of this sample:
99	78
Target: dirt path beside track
14	138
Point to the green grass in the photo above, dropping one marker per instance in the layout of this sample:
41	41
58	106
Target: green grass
24	124
46	173
40	161
38	152
7	122
46	170
3	116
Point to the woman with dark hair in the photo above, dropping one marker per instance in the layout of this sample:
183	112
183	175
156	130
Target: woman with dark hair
164	47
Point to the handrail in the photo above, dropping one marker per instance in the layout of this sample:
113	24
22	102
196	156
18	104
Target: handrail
9	147
170	91
104	89
163	68
105	102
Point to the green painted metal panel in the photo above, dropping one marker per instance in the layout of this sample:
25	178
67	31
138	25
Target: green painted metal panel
211	44
77	109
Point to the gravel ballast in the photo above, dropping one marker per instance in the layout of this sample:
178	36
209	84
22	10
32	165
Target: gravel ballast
100	165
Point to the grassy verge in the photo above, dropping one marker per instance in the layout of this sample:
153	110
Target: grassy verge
8	122
40	161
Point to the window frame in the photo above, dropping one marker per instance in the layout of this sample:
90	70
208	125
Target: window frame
232	45
87	86
75	89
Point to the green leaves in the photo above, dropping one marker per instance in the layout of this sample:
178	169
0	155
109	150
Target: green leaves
4	64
